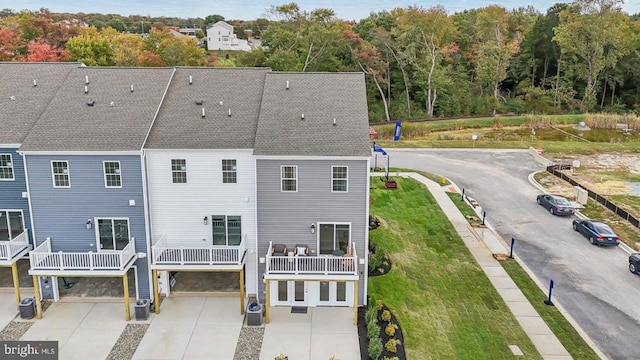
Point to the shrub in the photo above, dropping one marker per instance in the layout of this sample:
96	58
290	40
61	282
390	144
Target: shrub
375	348
390	329
391	345
375	259
281	357
379	304
371	314
391	358
373	330
386	315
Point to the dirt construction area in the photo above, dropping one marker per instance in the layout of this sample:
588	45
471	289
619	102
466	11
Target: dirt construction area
606	174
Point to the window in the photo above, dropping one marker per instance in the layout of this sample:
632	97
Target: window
341	291
179	171
334	238
112	178
229	172
226	230
339	178
11	224
60	172
289	177
6	167
113	234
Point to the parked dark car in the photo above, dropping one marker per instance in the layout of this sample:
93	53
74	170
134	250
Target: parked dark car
634	263
597	232
556	204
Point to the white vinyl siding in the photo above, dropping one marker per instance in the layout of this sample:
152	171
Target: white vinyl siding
179	171
289	178
229	175
112	176
60	174
339	178
6	167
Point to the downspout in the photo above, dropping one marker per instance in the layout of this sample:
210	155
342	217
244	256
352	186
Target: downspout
366	236
26	179
145	189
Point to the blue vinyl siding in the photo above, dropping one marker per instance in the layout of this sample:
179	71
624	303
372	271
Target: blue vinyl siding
62	213
11	191
286	217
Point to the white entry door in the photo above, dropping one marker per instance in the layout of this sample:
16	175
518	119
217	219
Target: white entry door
289	293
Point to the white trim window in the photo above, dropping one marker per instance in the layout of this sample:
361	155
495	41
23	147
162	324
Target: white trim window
229	172
60	174
112	233
112	176
334	238
179	171
11	224
226	230
6	167
339	178
289	178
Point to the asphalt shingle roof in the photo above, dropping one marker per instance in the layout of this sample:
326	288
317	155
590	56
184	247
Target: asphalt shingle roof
321	97
119	119
180	124
22	103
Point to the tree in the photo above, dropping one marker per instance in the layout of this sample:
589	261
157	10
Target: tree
174	51
93	47
9	40
598	34
38	52
424	37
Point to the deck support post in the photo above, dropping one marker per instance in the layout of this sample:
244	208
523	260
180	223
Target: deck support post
156	292
36	289
267	302
16	283
355	302
241	281
127	308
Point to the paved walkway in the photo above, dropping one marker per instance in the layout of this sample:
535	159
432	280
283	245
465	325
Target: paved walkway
482	243
318	335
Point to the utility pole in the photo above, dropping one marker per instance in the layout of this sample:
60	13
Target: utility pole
142	27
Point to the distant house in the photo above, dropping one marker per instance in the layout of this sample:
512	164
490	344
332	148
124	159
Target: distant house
220	36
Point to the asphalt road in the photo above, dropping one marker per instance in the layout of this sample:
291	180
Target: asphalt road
592	283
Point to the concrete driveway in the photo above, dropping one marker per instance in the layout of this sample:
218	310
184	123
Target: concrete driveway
319	334
592	283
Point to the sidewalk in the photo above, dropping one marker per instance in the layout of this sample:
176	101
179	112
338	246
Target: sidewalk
482	244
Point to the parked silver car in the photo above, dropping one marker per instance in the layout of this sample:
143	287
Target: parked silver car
556	204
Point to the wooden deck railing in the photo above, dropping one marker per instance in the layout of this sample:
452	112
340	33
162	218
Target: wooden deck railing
165	253
42	258
9	249
323	264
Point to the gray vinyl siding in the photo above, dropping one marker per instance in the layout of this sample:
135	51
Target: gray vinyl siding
62	213
11	191
286	217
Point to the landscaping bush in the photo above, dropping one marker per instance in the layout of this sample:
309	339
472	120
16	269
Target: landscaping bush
390	329
375	348
386	315
373	330
391	345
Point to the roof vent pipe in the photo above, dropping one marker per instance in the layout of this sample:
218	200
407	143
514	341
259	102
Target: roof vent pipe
334	122
190	80
131	87
287	84
86	79
86	89
229	112
302	117
35	82
203	115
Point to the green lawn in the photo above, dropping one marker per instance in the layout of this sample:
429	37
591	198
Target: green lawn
446	305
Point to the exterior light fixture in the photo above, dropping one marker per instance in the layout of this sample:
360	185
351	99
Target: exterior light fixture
205	220
313	228
89	224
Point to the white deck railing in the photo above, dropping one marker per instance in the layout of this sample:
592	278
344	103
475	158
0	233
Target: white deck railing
164	253
8	249
42	258
322	264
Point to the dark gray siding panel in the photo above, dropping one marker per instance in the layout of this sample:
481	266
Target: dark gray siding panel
62	213
286	217
11	191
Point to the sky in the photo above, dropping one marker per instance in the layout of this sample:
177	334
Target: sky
253	9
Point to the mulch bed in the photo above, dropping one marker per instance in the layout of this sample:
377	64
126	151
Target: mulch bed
383	269
364	341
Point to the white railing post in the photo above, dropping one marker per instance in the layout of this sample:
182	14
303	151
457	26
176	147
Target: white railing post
60	259
91	262
181	255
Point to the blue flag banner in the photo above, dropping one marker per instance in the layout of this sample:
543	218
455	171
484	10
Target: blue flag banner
377	148
396	132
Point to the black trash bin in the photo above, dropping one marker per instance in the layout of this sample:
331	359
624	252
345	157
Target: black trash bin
27	308
142	309
254	314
